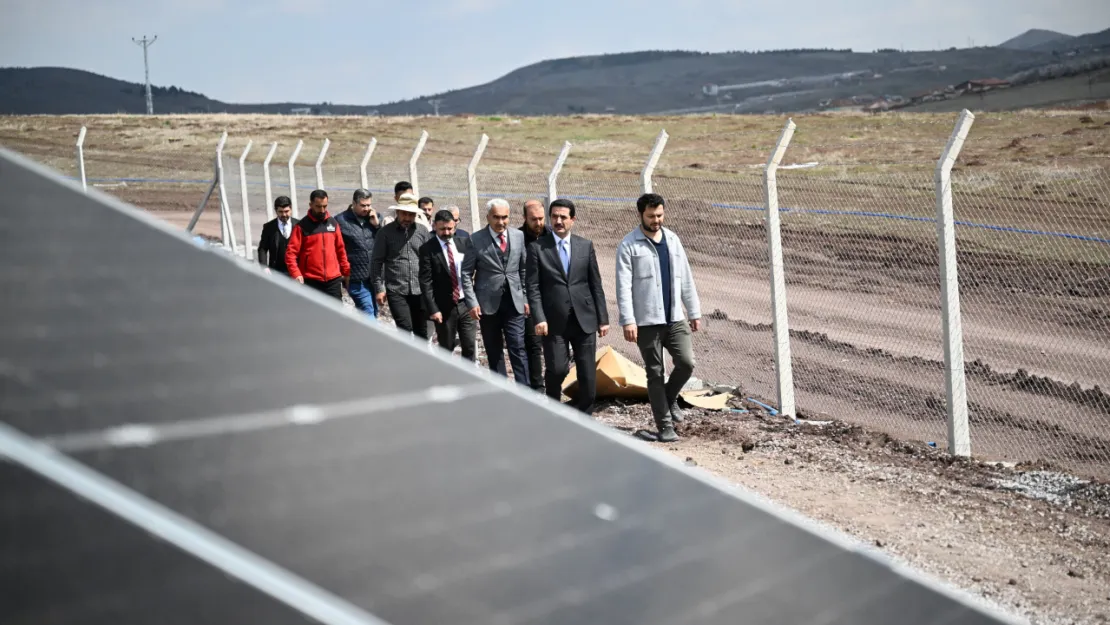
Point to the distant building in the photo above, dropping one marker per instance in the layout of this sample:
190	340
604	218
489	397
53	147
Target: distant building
983	84
304	110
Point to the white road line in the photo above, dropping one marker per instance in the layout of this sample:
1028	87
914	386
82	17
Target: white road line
146	434
180	531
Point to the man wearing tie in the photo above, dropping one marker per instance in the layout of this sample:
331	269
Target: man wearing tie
441	261
567	303
493	285
275	236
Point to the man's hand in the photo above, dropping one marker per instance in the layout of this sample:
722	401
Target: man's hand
347	282
476	313
380	298
541	329
267	270
437	317
631	333
527	310
695	325
300	279
602	331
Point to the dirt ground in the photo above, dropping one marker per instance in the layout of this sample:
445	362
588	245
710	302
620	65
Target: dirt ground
953	519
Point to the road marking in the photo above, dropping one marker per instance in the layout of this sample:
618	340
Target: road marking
187	535
147	434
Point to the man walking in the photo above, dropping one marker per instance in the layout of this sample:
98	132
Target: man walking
493	275
358	225
654	283
315	254
395	270
428	206
533	229
567	302
275	236
441	260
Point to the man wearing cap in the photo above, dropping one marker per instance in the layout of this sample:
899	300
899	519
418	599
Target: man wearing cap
395	269
358	225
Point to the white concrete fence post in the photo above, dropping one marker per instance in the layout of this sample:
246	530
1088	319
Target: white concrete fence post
293	176
553	177
266	182
81	159
320	163
211	188
959	436
413	178
784	372
652	161
227	232
245	201
366	161
472	182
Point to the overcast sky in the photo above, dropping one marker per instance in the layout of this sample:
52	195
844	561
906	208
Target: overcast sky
375	51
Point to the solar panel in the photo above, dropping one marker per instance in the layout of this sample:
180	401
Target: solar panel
188	440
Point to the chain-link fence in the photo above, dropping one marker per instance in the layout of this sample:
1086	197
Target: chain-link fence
861	262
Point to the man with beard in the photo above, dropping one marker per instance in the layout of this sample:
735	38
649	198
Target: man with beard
358	224
567	302
395	270
315	255
533	228
275	236
441	261
654	283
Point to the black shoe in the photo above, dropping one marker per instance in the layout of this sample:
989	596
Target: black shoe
676	413
667	435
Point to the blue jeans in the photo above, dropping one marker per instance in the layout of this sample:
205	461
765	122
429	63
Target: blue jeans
364	298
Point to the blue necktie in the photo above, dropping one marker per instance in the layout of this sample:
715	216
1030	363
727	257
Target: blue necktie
565	256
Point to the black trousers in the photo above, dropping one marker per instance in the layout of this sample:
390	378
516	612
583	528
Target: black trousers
505	328
556	353
457	324
534	345
408	313
333	287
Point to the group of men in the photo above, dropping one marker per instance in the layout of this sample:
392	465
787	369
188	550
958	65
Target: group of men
534	291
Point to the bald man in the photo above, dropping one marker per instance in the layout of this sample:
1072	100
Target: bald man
534	227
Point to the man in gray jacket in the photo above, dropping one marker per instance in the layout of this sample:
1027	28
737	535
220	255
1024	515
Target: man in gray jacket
654	283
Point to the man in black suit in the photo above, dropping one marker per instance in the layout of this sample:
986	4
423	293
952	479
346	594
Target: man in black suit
567	302
441	286
534	228
275	236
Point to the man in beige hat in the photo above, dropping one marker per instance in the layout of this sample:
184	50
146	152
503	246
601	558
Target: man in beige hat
395	268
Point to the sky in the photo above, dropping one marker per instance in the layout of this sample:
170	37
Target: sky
368	52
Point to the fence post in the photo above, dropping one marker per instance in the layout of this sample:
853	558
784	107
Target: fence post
472	182
553	177
959	436
784	372
320	163
266	181
225	209
653	160
81	159
211	188
412	162
366	161
246	203
293	176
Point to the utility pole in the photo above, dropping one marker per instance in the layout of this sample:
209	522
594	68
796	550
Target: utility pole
146	43
435	105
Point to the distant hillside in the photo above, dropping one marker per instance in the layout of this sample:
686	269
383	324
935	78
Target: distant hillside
630	83
64	91
1030	39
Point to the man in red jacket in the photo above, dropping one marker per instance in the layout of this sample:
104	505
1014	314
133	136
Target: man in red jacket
315	254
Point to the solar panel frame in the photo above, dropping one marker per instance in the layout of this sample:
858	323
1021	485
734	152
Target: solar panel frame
10	162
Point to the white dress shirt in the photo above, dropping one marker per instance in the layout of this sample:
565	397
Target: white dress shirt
457	254
563	245
285	227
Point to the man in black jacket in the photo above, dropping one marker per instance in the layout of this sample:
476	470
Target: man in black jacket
441	286
275	236
567	303
358	225
533	229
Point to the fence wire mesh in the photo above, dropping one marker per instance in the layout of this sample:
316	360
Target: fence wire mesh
861	263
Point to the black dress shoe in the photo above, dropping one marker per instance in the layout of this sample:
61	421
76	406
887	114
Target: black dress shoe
676	413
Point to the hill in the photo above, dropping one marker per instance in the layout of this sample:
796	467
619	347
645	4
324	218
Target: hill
1035	37
1100	39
